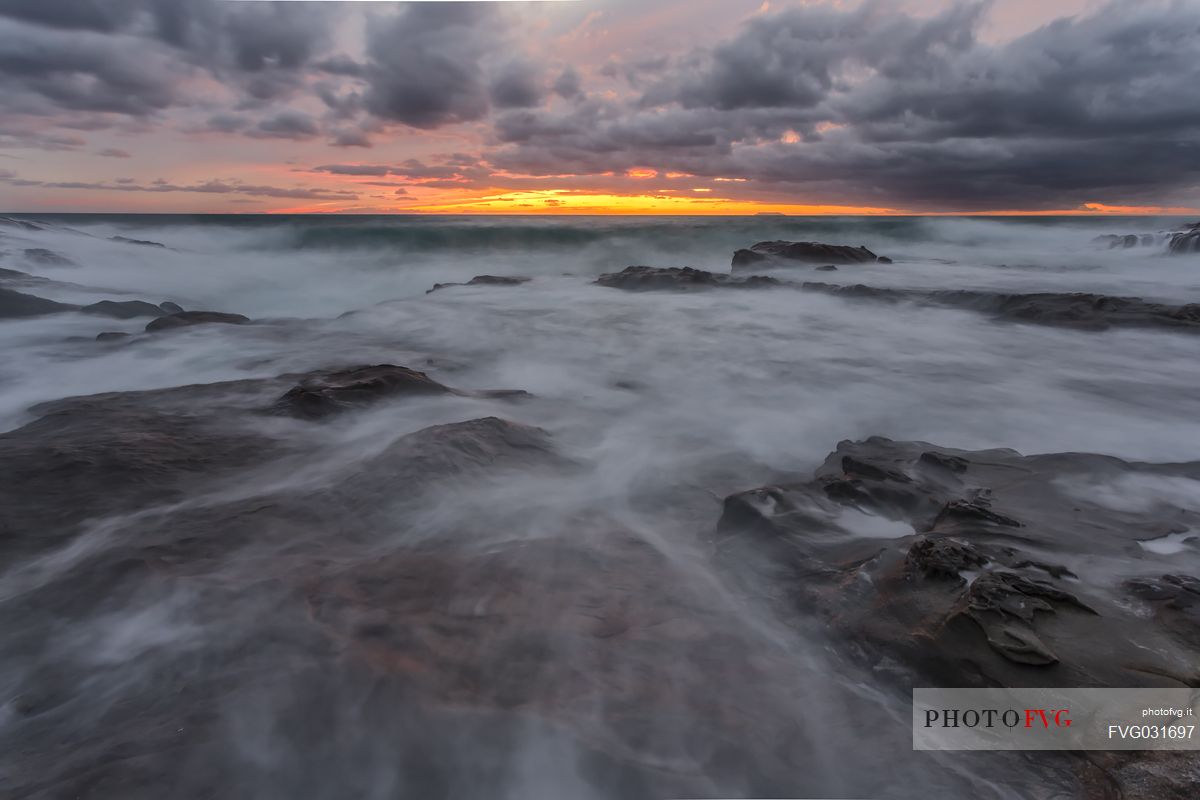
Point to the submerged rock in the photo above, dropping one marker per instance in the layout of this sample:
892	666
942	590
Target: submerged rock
764	253
640	279
1062	309
183	319
980	590
142	242
124	309
111	336
47	258
485	280
325	393
18	304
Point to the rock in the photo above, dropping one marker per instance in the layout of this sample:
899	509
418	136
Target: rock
111	336
323	394
125	309
884	260
47	258
807	252
171	308
18	278
142	242
1186	242
644	279
485	280
944	558
969	597
17	304
1062	309
827	268
183	319
87	457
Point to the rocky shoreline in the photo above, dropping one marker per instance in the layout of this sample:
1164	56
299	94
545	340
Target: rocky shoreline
917	563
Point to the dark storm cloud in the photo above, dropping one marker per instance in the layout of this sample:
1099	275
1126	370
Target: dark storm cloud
425	66
93	15
133	57
569	84
517	84
874	106
286	125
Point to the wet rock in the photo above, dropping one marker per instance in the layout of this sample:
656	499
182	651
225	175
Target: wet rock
485	280
1185	242
1061	309
17	304
1005	604
645	279
124	309
827	268
47	258
15	277
111	336
1014	524
323	394
142	242
183	319
944	558
171	308
805	252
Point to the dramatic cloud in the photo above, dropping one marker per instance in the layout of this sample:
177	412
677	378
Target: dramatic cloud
871	104
205	187
424	64
857	102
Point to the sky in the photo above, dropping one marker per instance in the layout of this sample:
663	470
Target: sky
601	106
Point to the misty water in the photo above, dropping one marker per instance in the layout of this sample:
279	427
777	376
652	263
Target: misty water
231	674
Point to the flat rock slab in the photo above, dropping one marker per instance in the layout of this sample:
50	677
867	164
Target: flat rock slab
647	279
184	319
485	280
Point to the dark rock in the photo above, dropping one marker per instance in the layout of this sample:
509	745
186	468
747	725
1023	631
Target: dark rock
111	336
125	309
808	252
1186	242
827	268
944	558
1060	309
1004	605
644	279
1021	621
885	260
183	319
142	242
17	304
485	280
747	258
322	394
171	308
15	276
47	258
940	461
